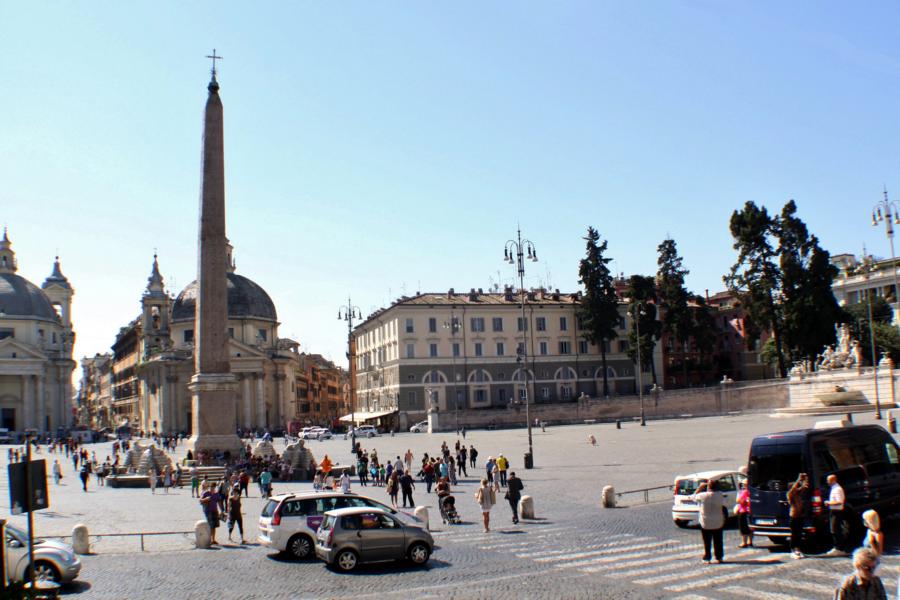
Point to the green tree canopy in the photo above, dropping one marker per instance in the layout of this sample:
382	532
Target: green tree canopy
599	310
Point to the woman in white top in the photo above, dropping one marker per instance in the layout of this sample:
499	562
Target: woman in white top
486	498
874	537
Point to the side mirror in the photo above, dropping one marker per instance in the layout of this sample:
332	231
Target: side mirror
359	534
15	544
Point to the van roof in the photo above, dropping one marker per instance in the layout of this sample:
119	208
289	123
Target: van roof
798	435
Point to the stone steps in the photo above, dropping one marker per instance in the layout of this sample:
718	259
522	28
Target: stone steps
214	473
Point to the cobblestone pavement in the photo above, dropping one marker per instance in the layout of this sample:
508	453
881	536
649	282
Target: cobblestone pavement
574	550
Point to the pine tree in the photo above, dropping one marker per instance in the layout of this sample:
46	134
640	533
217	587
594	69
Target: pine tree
677	320
599	310
755	278
642	296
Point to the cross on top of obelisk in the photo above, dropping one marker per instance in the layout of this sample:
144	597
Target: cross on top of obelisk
214	58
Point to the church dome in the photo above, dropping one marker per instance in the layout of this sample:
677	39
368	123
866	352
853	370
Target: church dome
21	298
246	300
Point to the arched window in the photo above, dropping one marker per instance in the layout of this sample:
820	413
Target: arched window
479	376
434	376
565	374
610	373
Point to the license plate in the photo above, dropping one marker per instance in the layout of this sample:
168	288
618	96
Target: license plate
688	503
764	521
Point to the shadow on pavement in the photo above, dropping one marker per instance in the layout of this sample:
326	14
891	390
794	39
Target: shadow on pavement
76	587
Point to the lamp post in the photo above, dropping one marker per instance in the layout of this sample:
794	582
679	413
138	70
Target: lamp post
637	311
886	211
867	266
514	252
348	313
453	325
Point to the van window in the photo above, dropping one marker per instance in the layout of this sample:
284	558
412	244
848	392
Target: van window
269	509
299	508
774	467
892	453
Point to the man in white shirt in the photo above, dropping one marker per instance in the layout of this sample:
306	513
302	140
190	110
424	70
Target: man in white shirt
712	519
835	504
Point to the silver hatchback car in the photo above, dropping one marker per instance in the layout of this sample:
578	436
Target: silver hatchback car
349	536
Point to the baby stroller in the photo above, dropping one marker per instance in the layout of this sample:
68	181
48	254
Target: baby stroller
447	506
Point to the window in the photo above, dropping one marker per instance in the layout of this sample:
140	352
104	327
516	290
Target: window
409	326
477	324
545	393
522	324
523	394
583	347
520	349
607	347
563	324
432	325
500	349
565	347
540	324
432	350
7	333
231	332
479	395
478	349
501	396
623	346
411	399
497	323
455	349
188	336
410	351
543	348
261	335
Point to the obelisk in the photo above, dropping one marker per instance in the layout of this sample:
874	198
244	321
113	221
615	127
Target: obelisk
213	387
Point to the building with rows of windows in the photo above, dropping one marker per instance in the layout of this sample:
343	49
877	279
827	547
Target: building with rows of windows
463	351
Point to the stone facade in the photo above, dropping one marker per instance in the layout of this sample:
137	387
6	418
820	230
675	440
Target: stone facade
36	339
423	352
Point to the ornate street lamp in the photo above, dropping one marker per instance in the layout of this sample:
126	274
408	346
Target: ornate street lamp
348	313
867	266
454	326
514	252
637	311
886	212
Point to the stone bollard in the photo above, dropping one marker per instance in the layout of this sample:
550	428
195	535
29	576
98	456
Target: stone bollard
526	507
421	513
609	497
618	424
891	422
81	541
202	536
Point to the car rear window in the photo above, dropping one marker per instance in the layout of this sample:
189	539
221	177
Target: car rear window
327	523
688	487
269	509
773	468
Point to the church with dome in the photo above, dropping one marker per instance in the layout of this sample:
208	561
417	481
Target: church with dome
36	340
153	360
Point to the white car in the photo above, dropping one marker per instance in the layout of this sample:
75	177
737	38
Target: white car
313	433
420	427
323	434
53	560
686	511
366	431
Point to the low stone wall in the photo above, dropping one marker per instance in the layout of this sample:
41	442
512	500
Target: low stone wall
815	390
667	404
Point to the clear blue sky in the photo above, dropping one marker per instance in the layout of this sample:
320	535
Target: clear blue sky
376	149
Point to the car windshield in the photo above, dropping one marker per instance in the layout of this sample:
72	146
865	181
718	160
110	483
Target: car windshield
687	487
269	509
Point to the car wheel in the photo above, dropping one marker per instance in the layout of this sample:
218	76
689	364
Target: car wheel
346	560
45	571
300	547
419	553
681	524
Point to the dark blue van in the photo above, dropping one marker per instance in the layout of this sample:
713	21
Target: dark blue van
865	459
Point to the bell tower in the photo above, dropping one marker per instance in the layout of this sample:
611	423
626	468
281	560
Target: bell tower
156	306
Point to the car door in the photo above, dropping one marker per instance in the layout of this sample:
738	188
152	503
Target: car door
726	485
381	536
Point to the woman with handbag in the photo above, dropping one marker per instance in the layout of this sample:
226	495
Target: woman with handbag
742	510
486	499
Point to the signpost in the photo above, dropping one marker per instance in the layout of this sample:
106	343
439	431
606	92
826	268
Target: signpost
27	493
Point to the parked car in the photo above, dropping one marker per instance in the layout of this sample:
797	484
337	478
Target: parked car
323	434
53	560
685	510
865	459
366	431
349	536
420	427
288	522
5	437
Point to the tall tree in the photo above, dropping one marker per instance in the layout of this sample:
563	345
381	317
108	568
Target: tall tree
599	310
677	320
809	307
642	296
755	278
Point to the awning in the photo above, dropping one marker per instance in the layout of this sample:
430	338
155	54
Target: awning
361	415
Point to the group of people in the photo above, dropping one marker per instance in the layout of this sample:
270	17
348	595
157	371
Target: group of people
863	583
219	498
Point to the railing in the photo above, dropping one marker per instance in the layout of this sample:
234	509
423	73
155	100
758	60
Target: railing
646	491
102	535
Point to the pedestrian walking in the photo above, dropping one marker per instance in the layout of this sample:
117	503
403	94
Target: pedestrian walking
57	472
514	487
592	440
461	460
407	459
195	481
393	487
796	498
428	475
209	500
265	483
743	514
244	482
151	475
234	512
486	499
85	474
874	536
345	482
712	519
502	466
167	479
863	583
489	469
407	486
473	455
464	434
837	518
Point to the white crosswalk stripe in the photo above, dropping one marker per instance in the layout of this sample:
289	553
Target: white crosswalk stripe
809	586
726	578
755	593
618	548
613	544
676	560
